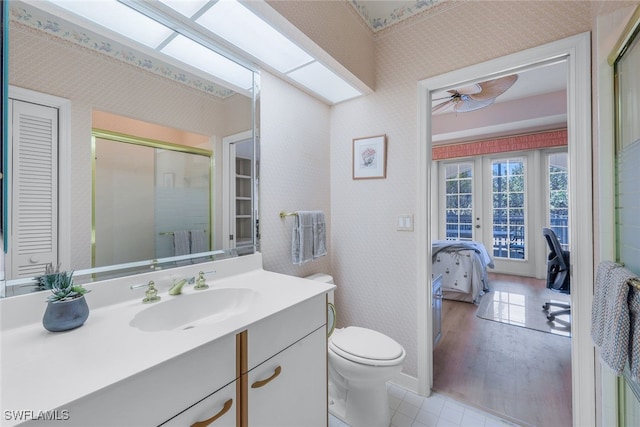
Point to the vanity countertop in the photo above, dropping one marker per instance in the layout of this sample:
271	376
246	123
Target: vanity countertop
43	371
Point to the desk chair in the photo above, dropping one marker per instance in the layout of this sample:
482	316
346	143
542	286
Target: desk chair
558	276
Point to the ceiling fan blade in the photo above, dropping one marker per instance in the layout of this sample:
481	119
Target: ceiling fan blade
494	88
442	106
468	90
471	104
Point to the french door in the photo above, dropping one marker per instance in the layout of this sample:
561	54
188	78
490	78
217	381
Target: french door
503	201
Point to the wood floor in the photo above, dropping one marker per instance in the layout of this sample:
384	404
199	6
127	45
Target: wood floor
517	373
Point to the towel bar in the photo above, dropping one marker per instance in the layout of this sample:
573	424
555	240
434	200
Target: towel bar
284	214
170	233
635	282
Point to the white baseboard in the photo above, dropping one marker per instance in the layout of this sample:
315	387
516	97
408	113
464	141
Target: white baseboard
406	381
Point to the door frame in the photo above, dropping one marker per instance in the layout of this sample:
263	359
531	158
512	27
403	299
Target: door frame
576	50
228	180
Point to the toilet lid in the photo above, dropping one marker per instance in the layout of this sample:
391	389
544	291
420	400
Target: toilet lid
365	343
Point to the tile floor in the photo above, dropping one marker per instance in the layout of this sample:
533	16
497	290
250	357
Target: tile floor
410	410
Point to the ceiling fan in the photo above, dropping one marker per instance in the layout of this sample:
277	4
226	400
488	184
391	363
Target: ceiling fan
475	96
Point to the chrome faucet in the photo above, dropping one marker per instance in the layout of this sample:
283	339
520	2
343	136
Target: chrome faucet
176	289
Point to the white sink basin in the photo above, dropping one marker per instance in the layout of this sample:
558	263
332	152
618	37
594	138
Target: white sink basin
189	310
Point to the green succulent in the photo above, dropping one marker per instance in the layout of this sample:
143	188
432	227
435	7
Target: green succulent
60	283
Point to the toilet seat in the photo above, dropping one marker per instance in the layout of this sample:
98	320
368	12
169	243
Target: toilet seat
366	346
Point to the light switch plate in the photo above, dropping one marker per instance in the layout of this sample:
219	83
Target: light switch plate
405	222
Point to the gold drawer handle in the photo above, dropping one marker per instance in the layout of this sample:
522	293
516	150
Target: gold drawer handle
263	383
224	410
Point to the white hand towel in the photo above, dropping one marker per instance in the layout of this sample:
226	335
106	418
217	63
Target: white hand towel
610	320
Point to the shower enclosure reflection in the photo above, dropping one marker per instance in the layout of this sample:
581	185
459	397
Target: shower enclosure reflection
151	199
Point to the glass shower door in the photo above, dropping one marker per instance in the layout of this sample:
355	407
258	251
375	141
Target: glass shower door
627	93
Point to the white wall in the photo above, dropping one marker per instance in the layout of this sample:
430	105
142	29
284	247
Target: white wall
294	171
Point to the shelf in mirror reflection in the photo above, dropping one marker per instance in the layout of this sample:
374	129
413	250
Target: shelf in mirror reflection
26	285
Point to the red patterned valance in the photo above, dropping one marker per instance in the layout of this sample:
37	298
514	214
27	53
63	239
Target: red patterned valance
513	143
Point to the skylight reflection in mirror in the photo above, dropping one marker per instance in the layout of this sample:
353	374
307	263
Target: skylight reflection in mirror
122	19
229	20
198	56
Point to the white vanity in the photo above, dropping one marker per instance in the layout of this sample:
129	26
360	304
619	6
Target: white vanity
261	362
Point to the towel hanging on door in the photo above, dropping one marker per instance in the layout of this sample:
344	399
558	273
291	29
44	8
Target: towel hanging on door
615	318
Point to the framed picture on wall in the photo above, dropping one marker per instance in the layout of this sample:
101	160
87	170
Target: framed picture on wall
370	157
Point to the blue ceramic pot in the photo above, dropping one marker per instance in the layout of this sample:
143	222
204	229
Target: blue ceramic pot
65	315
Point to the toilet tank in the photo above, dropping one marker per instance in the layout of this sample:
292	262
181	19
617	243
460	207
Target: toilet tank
324	278
321	277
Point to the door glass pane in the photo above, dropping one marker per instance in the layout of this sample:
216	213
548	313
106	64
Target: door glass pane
182	202
508	186
627	197
459	201
558	179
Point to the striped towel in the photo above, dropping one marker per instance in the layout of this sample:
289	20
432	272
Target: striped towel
610	315
181	242
199	241
309	238
319	234
302	238
634	321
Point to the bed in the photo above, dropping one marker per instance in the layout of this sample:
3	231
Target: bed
463	265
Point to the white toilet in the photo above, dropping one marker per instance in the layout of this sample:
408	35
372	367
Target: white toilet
361	361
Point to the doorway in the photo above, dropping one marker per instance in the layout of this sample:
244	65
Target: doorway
576	51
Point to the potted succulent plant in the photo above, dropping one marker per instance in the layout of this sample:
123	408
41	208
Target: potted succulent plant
66	306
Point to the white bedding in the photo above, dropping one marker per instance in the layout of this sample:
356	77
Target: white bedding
463	265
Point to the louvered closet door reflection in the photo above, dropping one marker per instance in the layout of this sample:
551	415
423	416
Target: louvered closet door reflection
34	188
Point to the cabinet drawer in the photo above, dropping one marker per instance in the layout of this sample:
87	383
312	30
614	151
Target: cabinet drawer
217	410
153	396
280	330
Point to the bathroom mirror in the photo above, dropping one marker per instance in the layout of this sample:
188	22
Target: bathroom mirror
77	70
